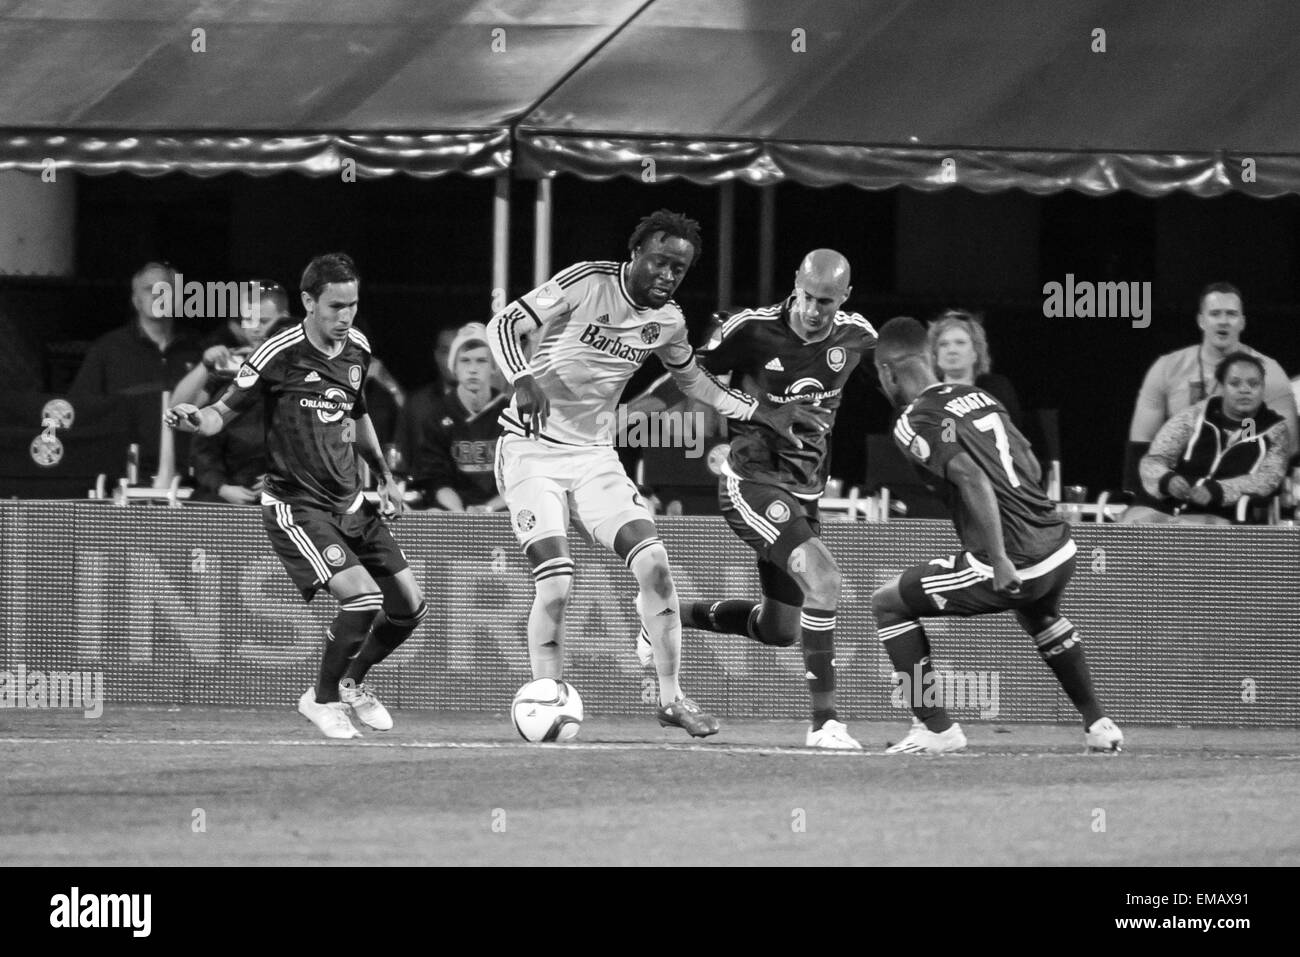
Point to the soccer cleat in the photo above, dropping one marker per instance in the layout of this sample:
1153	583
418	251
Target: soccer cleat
365	706
921	740
1104	735
832	735
687	715
645	651
331	718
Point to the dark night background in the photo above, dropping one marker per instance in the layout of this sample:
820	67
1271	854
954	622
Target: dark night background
424	248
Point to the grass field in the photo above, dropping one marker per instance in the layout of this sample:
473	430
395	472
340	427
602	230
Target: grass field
133	787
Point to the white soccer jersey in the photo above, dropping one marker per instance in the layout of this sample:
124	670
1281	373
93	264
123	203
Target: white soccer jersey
592	339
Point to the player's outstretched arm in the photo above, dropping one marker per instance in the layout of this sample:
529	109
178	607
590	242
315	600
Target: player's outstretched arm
982	504
187	417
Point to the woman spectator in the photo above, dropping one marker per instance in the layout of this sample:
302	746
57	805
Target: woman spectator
1204	459
960	351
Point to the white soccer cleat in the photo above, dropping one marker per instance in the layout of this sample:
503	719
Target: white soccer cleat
365	706
331	718
834	736
645	652
921	740
1104	735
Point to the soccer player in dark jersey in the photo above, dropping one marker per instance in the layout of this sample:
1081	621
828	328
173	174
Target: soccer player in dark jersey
1017	551
312	379
802	350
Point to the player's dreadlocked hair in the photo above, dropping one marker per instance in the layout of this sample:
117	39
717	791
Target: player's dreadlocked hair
323	270
670	224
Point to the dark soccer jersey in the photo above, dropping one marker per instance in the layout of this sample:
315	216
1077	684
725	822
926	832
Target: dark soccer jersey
776	366
312	402
947	419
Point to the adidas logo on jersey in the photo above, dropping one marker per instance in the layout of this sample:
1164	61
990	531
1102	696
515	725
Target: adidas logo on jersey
775	365
603	318
312	376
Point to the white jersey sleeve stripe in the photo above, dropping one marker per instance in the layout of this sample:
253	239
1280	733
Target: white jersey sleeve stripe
276	344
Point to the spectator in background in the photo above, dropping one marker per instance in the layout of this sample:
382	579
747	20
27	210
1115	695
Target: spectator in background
1204	459
144	358
228	466
454	452
420	404
226	348
1181	379
959	349
149	353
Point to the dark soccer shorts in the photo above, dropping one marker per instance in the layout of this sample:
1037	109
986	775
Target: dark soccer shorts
315	545
773	523
960	585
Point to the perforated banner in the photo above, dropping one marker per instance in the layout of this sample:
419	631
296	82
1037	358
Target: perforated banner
190	606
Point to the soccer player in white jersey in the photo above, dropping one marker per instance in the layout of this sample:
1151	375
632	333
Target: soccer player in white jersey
593	325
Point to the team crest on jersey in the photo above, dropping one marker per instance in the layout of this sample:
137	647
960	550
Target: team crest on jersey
920	448
354	375
650	332
778	511
836	357
549	294
334	555
525	520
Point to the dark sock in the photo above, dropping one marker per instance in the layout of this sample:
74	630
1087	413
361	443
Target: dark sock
909	652
724	617
345	636
387	633
1060	646
818	634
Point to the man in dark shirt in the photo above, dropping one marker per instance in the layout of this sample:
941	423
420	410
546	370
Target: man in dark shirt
1017	551
456	438
801	350
311	378
143	358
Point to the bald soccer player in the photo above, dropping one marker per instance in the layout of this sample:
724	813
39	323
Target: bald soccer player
800	350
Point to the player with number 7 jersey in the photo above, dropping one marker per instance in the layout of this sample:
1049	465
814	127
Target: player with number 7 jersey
1017	555
949	418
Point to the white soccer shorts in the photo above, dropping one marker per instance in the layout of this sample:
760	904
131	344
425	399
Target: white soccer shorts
546	485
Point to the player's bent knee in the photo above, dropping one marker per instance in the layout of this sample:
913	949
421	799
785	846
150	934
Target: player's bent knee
553	580
774	637
887	604
650	567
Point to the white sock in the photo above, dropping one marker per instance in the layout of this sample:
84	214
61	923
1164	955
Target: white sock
665	633
546	619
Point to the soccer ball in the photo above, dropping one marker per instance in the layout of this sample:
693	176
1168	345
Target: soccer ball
547	710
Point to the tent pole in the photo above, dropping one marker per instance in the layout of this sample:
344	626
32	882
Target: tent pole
501	242
726	240
542	232
766	242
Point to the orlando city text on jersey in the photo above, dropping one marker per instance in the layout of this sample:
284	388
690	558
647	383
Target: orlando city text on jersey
777	366
312	404
947	419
